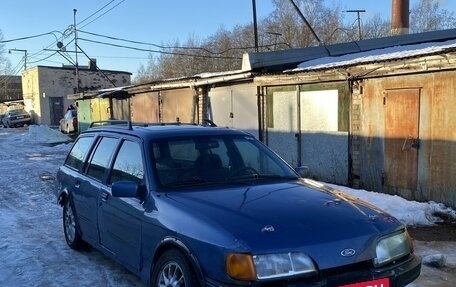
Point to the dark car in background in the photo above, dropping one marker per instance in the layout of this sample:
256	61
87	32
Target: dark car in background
16	118
69	123
187	205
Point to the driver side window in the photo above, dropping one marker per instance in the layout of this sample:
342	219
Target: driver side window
128	165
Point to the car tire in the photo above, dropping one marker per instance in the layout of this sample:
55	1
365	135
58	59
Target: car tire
173	269
71	227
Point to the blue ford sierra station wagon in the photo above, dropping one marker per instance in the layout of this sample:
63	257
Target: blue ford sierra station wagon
193	205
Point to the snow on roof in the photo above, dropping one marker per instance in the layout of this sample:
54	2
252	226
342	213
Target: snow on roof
218	74
391	53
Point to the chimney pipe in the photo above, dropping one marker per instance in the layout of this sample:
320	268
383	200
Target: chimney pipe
400	17
92	64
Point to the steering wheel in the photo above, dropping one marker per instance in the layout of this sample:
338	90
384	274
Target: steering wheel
245	170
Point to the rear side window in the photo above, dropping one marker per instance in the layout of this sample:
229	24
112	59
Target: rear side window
101	157
79	151
128	165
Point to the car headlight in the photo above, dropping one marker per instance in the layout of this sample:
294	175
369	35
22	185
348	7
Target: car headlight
393	247
268	266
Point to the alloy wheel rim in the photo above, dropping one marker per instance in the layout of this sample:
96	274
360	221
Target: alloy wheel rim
171	275
70	226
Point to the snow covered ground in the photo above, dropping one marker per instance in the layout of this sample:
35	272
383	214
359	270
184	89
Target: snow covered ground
33	251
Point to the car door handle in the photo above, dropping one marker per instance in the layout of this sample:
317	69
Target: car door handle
104	196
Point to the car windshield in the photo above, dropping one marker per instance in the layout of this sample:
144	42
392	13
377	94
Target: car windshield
216	160
17	112
71	114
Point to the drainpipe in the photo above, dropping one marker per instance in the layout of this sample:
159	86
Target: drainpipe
298	132
259	95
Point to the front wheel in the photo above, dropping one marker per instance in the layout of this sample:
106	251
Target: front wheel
70	227
173	269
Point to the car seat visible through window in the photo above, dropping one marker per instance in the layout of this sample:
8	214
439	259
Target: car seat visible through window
209	166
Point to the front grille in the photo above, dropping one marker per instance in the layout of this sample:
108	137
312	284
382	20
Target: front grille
339	271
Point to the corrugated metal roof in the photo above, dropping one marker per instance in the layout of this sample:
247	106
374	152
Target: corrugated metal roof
290	59
378	55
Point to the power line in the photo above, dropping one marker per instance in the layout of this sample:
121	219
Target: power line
94	13
64	34
174	47
150	44
18	67
43	59
25	38
34	55
70	30
66	57
103	13
160	52
120	57
156	51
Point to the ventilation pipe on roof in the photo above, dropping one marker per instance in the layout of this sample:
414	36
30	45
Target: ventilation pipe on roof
400	17
92	64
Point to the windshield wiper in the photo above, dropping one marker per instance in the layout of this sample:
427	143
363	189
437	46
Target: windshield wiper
274	176
257	176
193	181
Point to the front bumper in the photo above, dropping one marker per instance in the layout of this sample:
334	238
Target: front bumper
400	275
20	122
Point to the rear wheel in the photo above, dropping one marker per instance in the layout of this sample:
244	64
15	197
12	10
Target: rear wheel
173	270
70	227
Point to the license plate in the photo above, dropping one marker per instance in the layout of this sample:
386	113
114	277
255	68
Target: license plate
384	282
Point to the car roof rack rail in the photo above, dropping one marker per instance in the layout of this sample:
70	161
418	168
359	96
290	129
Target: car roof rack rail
129	124
118	123
208	122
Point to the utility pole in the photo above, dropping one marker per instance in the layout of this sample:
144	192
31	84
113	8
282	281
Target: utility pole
306	22
25	56
357	11
76	50
255	28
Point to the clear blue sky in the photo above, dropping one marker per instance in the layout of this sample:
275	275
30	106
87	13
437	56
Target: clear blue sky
152	21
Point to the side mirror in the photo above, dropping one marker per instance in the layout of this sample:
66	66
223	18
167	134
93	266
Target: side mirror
303	171
125	189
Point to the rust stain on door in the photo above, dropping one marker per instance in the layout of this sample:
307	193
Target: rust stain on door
402	110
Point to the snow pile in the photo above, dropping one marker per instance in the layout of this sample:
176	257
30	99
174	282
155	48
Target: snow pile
437	260
45	135
410	213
